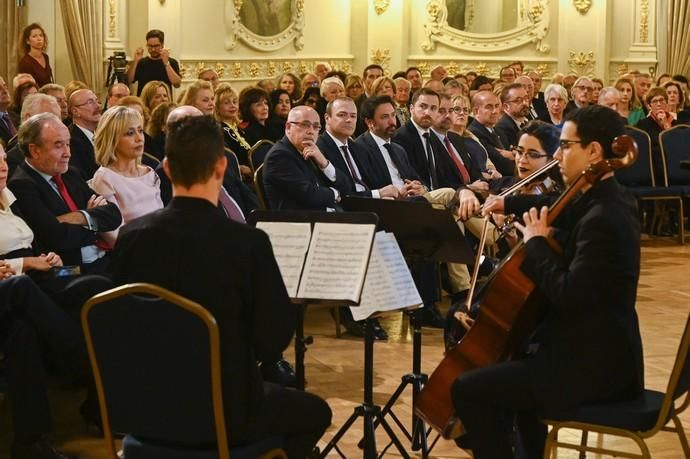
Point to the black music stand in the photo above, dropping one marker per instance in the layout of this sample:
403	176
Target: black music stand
424	234
370	413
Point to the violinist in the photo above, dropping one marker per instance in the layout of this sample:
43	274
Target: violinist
587	347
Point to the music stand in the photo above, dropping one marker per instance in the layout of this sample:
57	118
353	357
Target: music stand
370	412
424	234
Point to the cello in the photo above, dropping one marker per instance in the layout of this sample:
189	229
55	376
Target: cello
510	310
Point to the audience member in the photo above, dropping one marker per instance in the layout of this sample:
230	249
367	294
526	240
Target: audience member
86	112
383	86
371	72
459	122
309	80
556	98
35	61
156	129
281	105
246	296
518	67
486	109
155	92
402	99
21	78
331	89
438	73
321	69
200	95
290	83
210	75
676	98
55	201
507	75
581	94
630	106
18	97
116	91
414	76
354	88
121	179
515	105
7	126
597	84
228	113
643	83
58	92
657	120
254	109
158	66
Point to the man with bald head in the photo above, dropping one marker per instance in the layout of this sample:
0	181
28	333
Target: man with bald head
33	105
85	110
297	175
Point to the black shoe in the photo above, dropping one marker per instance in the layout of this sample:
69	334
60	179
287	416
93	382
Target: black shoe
428	317
40	449
280	372
379	332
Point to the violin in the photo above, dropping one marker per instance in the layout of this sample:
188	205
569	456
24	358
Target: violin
509	310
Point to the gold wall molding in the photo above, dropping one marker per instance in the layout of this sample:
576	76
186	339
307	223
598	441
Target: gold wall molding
490	69
644	21
112	19
235	29
582	6
381	57
258	69
581	63
380	6
437	30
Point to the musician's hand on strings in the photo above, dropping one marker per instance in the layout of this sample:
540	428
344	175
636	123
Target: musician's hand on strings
468	204
493	205
536	224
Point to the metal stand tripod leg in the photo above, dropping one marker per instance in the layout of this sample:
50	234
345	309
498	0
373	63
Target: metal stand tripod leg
370	412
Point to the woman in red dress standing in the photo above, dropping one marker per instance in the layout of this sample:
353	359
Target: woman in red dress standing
35	61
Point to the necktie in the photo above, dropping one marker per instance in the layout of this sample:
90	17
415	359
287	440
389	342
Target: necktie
72	206
351	166
431	164
62	189
230	206
461	167
8	122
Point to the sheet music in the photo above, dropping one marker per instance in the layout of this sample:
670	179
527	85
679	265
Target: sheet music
336	261
389	284
290	242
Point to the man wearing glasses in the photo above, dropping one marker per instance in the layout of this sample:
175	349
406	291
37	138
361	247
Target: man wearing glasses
515	102
158	66
86	113
297	175
582	91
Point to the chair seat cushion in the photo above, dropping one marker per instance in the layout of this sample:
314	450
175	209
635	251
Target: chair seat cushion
134	448
639	414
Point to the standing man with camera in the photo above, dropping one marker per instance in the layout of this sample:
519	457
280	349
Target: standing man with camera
158	66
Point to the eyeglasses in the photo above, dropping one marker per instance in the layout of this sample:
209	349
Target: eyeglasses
564	144
585	88
306	125
657	101
517	100
153	46
460	110
531	154
90	103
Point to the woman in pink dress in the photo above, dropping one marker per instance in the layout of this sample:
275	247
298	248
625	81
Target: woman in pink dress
122	179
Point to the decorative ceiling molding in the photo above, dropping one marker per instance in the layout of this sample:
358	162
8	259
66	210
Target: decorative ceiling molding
438	31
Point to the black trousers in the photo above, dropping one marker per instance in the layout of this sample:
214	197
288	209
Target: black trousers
301	417
494	403
38	332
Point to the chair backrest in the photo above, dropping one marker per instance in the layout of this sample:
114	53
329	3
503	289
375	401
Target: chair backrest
257	153
679	382
259	187
156	362
675	147
639	173
233	163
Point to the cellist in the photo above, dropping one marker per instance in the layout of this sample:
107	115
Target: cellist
587	348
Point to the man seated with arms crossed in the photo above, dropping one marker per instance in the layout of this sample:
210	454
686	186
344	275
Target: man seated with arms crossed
192	248
560	369
57	204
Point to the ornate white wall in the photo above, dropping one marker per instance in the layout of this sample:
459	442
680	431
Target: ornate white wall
602	37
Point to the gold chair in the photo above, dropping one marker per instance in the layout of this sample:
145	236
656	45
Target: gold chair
257	153
131	334
636	419
259	187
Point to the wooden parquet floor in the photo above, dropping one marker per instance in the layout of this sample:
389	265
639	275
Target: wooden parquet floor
334	366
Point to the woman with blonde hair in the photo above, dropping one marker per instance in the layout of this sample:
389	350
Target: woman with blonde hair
629	106
121	178
383	86
200	95
153	93
227	112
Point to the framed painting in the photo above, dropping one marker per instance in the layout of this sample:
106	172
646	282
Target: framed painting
265	25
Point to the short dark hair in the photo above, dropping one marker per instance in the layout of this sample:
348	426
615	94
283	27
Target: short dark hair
193	146
398	74
479	81
506	89
409	69
547	134
681	78
337	73
274	97
155	33
370	104
596	123
369	67
423	92
251	95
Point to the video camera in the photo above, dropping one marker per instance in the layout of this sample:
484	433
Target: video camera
117	68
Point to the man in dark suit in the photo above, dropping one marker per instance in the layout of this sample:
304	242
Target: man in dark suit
515	104
424	150
297	176
229	268
532	83
341	118
63	212
7	128
85	110
486	109
601	249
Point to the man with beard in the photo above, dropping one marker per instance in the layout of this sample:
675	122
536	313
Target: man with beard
515	101
158	66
